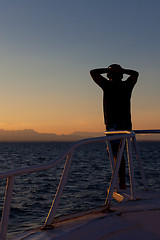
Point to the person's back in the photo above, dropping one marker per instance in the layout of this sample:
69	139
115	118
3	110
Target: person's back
117	104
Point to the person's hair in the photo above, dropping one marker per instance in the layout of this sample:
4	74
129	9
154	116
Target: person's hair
114	66
114	71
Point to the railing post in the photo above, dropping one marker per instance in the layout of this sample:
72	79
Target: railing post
59	192
115	174
131	170
6	207
110	152
140	163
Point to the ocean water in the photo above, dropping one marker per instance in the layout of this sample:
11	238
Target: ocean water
86	186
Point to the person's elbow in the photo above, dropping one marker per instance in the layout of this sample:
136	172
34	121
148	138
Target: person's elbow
135	76
92	73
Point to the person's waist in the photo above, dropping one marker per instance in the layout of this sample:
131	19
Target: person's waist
118	126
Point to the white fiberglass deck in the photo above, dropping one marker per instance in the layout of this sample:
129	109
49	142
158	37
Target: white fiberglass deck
128	221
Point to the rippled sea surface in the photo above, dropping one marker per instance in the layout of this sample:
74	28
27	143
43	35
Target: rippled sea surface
87	183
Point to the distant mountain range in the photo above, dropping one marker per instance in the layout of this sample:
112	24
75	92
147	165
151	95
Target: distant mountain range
30	135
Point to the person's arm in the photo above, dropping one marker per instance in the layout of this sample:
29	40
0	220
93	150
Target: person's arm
96	75
133	74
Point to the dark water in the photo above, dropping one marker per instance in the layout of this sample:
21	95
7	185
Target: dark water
87	183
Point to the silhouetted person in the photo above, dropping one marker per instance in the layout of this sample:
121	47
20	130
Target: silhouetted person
116	103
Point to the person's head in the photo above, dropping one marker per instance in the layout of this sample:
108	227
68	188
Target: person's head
115	72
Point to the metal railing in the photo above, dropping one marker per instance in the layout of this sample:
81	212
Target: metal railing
124	136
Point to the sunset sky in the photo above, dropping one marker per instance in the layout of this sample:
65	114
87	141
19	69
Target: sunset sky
48	47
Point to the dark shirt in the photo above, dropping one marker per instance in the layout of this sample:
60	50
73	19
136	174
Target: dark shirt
116	103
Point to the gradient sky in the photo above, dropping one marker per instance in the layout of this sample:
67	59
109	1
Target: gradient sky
48	47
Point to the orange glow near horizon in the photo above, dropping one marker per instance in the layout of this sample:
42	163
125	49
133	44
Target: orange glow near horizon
57	128
139	122
85	115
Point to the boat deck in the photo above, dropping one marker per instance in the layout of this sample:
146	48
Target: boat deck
127	220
